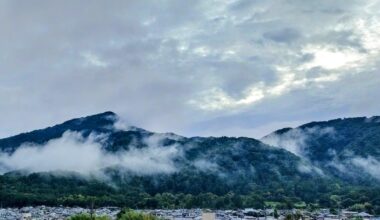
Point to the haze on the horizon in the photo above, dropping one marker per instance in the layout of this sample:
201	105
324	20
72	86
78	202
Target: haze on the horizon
234	67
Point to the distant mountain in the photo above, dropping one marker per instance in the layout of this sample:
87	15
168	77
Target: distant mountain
126	165
348	148
99	123
245	158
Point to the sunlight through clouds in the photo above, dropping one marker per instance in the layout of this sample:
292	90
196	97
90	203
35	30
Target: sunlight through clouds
329	58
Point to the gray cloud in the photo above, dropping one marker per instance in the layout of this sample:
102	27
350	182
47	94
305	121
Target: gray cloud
250	66
285	35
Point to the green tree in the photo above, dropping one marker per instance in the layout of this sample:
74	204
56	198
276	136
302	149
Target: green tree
128	214
289	217
275	214
88	217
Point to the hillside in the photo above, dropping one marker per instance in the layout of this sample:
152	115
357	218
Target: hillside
129	166
348	148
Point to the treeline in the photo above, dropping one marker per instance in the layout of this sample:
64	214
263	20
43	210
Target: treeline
53	190
125	214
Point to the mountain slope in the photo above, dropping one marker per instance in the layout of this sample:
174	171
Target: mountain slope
345	147
95	123
219	154
94	158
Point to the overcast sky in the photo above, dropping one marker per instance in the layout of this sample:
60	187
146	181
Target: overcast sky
231	67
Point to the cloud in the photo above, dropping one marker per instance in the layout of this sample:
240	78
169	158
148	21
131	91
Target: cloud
91	59
332	59
306	167
347	162
172	66
206	165
369	165
285	35
355	166
216	99
295	140
72	152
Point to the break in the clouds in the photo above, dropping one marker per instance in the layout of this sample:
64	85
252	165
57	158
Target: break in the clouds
235	67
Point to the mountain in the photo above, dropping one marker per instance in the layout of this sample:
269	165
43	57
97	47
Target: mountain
223	154
99	158
348	148
96	123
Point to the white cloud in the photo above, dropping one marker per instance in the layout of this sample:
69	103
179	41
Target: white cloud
216	99
71	152
201	51
92	59
330	58
295	140
369	164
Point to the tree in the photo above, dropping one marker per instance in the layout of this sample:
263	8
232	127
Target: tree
128	214
88	217
368	207
289	217
275	214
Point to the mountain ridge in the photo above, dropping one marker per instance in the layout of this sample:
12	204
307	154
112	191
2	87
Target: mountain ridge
339	146
146	164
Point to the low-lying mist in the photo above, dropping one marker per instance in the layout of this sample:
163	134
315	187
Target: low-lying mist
296	141
72	152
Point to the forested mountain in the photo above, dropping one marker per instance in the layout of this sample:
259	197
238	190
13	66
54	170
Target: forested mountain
114	164
348	148
225	155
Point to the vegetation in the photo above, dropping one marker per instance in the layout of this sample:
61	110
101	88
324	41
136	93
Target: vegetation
128	214
244	173
275	214
333	145
125	214
88	217
38	189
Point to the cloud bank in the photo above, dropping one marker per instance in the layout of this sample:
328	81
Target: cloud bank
72	152
348	163
295	140
369	164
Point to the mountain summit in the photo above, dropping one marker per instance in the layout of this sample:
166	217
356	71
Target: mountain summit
95	123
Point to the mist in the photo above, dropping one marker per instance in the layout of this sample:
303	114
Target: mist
295	140
72	152
369	165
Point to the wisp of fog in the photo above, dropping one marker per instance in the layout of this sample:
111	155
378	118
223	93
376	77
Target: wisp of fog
72	152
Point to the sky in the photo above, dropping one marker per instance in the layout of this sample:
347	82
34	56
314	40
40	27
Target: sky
196	68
